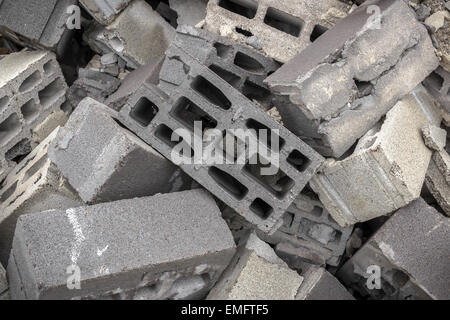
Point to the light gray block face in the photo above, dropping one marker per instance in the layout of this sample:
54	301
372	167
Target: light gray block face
438	84
105	162
34	185
31	88
341	85
437	179
387	168
189	12
3	281
104	11
243	68
278	28
36	23
319	284
412	250
156	247
203	96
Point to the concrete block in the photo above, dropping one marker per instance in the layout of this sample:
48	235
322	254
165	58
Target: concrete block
387	168
104	11
434	137
243	68
279	29
341	86
411	249
319	284
34	185
189	12
256	273
31	87
45	128
438	84
159	247
437	179
105	162
36	23
3	281
205	97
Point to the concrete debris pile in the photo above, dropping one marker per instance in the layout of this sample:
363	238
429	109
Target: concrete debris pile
224	149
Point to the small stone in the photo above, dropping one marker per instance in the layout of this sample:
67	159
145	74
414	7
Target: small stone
109	58
437	20
434	137
254	42
422	12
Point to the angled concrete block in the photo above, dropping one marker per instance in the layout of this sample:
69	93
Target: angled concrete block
437	179
104	11
189	12
438	84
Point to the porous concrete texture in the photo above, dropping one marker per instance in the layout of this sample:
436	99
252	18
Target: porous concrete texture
105	162
31	88
256	273
412	251
109	243
387	168
438	84
3	281
34	185
104	11
56	119
278	28
437	179
203	96
190	12
434	137
319	284
242	67
342	84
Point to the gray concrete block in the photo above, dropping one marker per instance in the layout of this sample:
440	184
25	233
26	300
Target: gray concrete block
319	284
438	84
3	281
412	251
434	137
160	247
279	29
437	179
105	162
204	96
34	185
340	86
31	87
387	169
104	11
189	12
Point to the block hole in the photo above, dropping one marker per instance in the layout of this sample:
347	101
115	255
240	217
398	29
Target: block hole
316	211
51	93
364	88
266	135
229	183
49	68
30	82
233	148
9	128
261	208
283	21
247	63
244	32
317	32
188	113
245	8
288	220
436	81
228	76
8	193
298	160
4	102
35	168
222	49
254	92
30	110
144	111
210	92
170	138
19	151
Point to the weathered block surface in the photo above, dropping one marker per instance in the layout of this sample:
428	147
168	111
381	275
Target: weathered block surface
438	84
3	281
189	12
341	85
104	11
412	250
156	247
437	179
279	28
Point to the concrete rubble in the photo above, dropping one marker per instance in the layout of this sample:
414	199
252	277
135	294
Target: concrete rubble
224	150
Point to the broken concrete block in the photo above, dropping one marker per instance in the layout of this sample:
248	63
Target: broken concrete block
256	273
235	178
31	87
34	185
45	128
36	23
159	247
387	168
3	281
438	84
243	68
341	85
410	253
189	12
279	29
104	11
319	284
437	179
434	137
105	162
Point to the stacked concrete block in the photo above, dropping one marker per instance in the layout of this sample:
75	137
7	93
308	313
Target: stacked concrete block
34	185
205	97
31	88
319	284
104	11
36	23
408	254
139	35
279	29
105	162
159	247
341	85
243	68
437	179
387	169
256	273
438	84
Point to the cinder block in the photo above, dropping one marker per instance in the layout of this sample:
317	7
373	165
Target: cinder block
437	179
279	28
189	12
105	162
104	11
3	281
36	23
256	273
341	86
387	168
243	68
34	185
31	87
411	249
159	247
45	128
204	96
319	284
438	84
125	35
